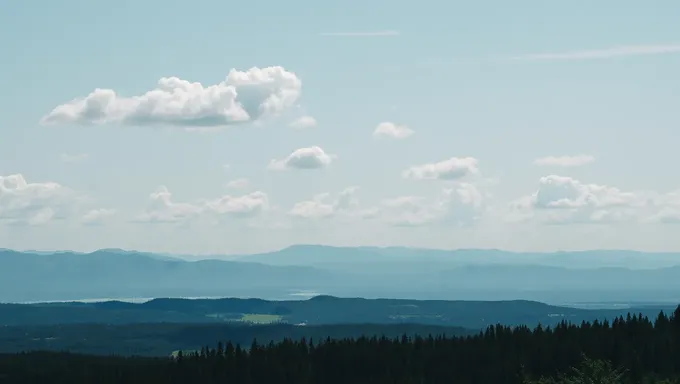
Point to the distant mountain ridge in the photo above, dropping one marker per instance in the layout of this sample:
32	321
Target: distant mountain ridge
393	272
28	276
303	254
311	254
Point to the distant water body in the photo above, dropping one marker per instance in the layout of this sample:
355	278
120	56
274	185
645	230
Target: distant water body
296	295
598	305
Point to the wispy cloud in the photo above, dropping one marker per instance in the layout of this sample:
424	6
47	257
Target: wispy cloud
565	161
607	53
362	34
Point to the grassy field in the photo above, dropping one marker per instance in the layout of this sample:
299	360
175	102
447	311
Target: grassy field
414	317
225	316
256	318
253	318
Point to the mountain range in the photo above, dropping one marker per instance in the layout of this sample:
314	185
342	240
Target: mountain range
394	272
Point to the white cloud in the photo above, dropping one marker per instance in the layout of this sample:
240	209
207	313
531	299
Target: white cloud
462	205
163	210
386	33
304	158
303	122
564	192
243	96
247	205
561	199
631	50
238	184
667	208
22	202
324	205
97	216
565	161
66	158
406	211
393	131
668	215
564	200
454	168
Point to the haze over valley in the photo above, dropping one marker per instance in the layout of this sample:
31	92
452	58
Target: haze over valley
587	277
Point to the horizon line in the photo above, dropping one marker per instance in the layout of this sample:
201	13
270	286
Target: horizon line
242	254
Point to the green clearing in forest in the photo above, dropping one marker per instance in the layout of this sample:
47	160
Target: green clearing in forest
257	318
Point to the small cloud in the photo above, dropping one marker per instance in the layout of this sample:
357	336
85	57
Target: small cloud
226	167
163	209
303	158
324	206
303	122
66	158
454	168
97	216
238	184
34	203
362	34
565	161
393	131
462	205
607	53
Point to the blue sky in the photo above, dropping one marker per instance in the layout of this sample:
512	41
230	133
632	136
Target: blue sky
525	125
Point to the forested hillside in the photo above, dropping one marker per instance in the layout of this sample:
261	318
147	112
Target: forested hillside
627	350
317	310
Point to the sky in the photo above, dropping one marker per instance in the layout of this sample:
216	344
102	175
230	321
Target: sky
211	126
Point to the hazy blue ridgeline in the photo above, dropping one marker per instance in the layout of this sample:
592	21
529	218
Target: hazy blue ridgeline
562	278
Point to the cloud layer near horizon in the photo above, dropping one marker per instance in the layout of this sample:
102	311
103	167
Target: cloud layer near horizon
556	200
459	197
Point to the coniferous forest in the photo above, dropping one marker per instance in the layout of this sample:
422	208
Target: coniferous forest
634	349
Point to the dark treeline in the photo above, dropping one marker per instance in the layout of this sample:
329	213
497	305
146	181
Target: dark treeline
647	350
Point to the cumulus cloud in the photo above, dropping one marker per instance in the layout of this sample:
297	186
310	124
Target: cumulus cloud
667	208
565	161
561	199
242	97
324	205
303	122
97	216
454	168
304	158
162	208
238	184
245	206
22	202
462	205
66	158
392	131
